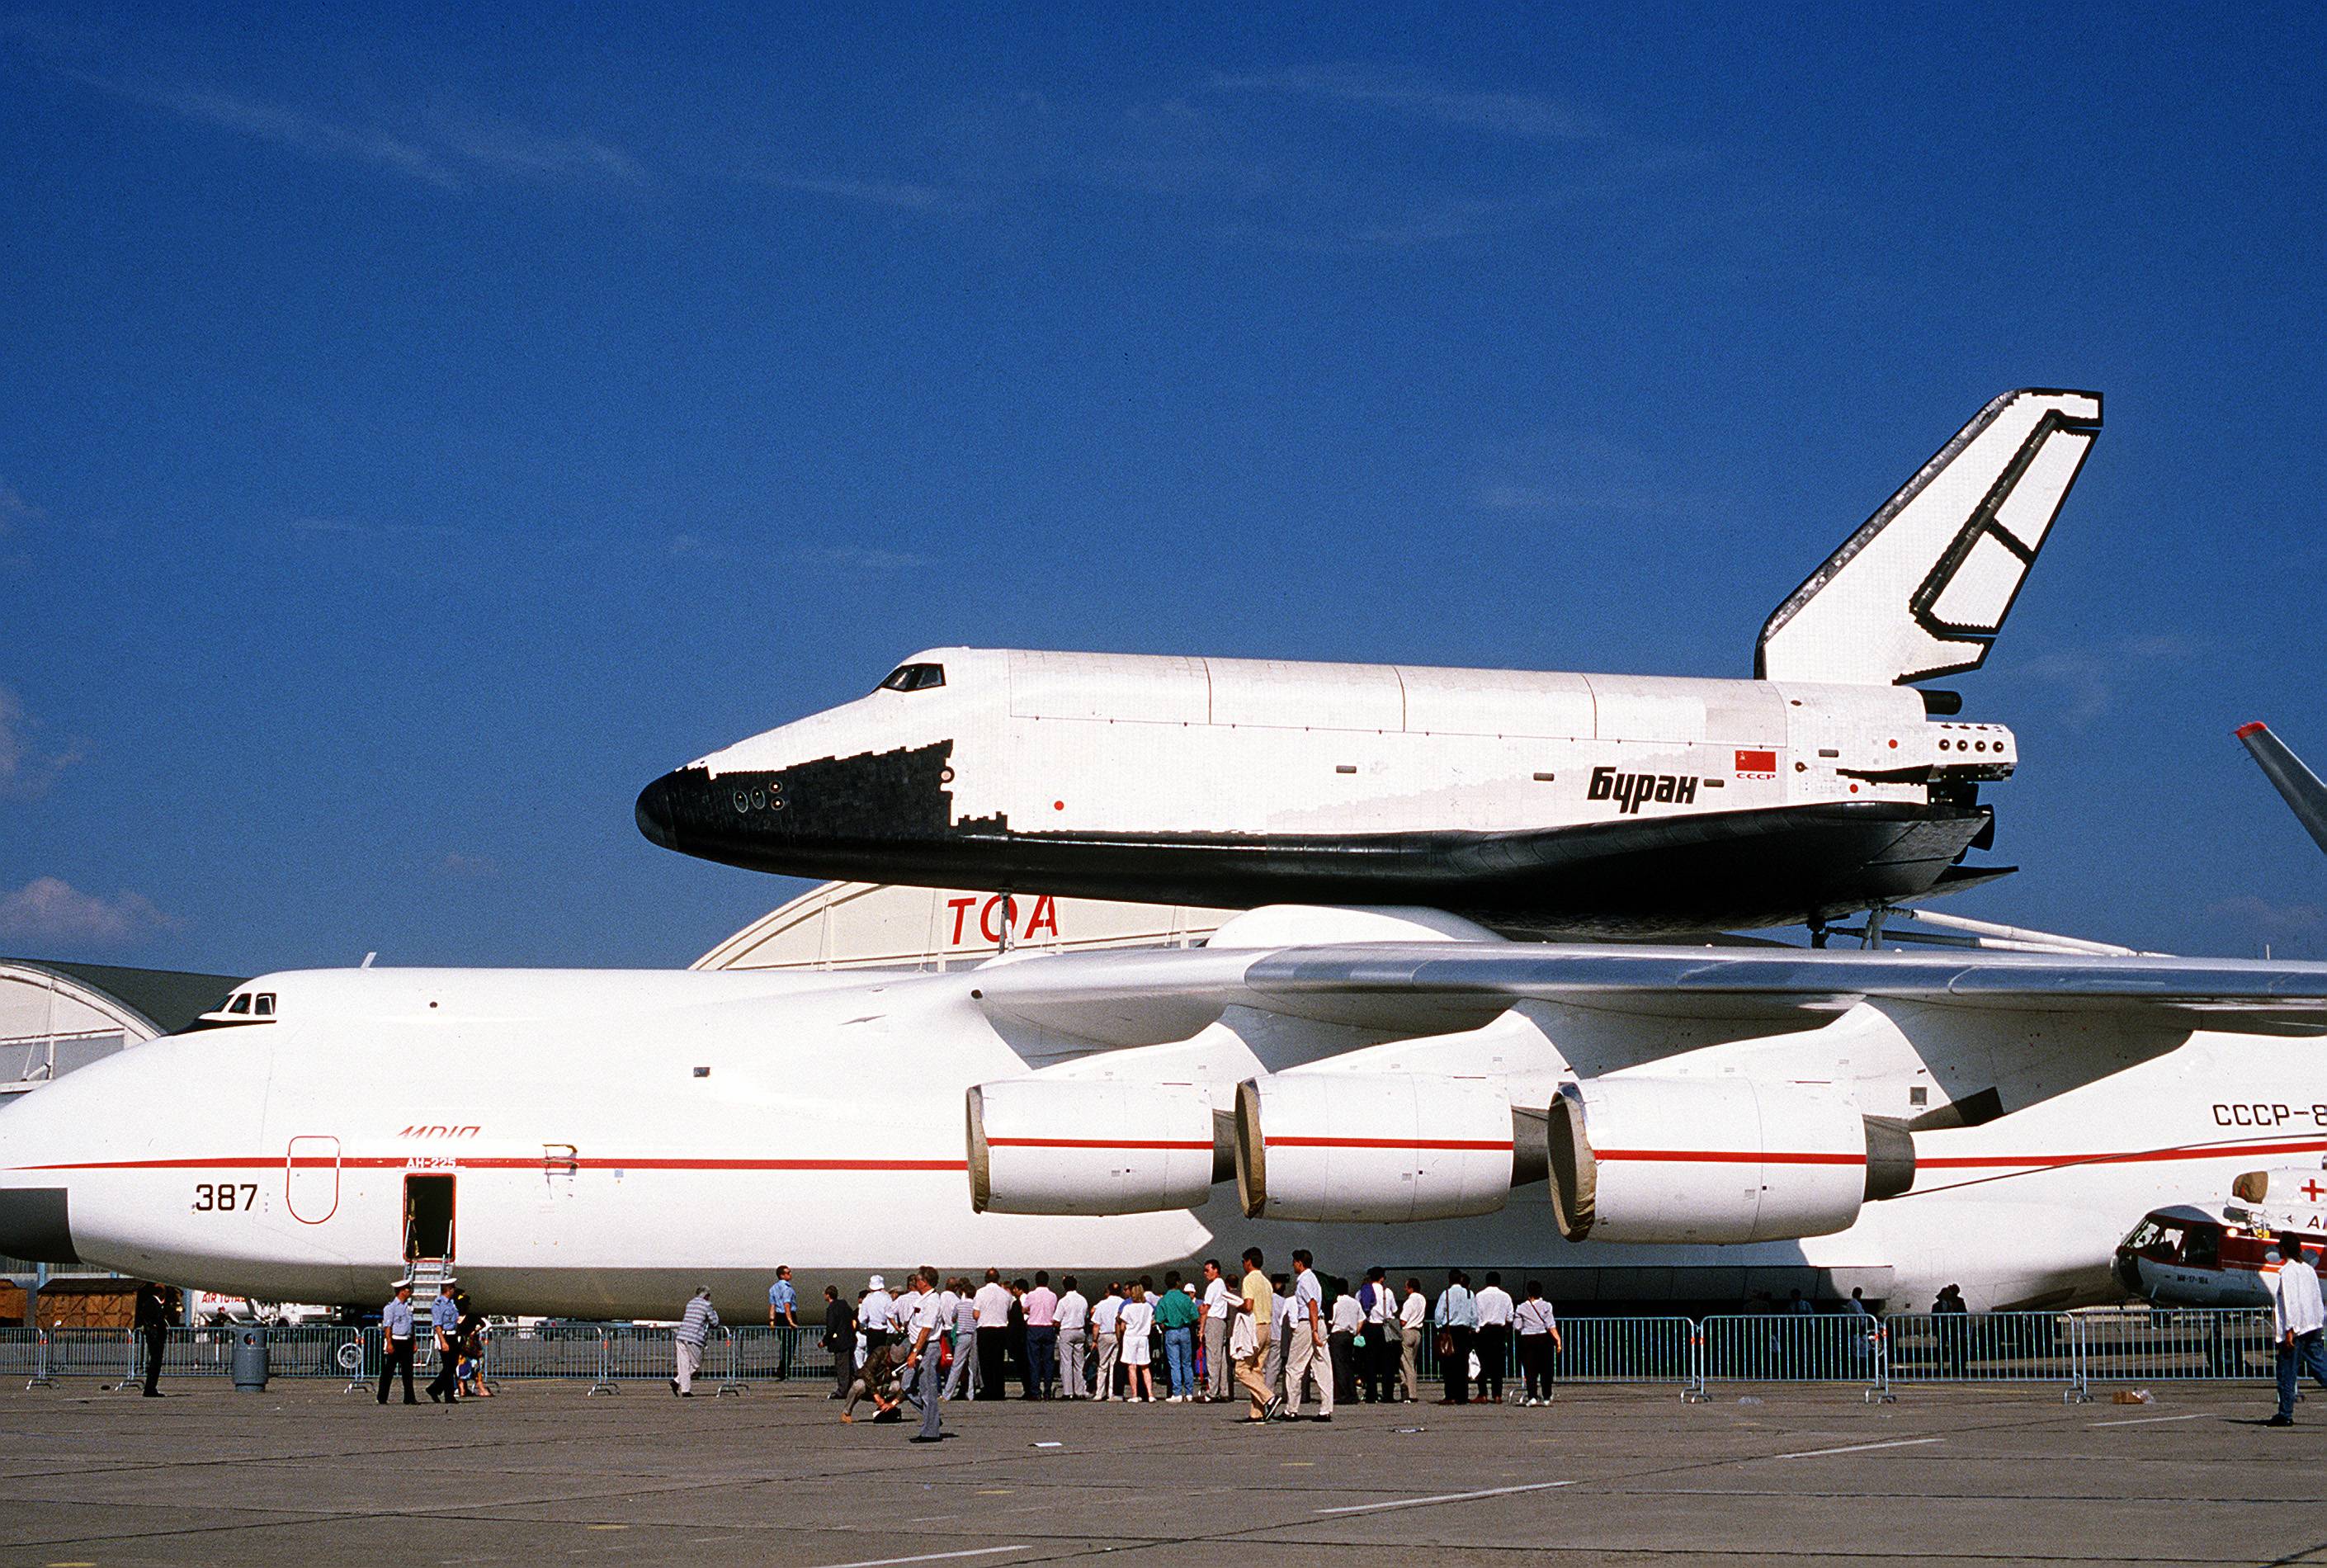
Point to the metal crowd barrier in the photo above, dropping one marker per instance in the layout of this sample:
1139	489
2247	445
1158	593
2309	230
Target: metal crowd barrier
2072	1351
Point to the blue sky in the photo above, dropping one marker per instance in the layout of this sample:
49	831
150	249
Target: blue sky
419	431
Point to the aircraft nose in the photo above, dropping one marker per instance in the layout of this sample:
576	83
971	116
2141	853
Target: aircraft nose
657	812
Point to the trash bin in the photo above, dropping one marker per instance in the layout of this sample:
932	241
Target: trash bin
250	1359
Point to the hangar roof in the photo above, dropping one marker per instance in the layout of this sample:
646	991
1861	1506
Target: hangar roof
169	999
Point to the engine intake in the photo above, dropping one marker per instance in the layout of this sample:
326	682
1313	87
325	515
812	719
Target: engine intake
1716	1161
1371	1146
1088	1146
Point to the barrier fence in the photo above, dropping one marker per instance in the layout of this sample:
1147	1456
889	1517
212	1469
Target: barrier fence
2072	1350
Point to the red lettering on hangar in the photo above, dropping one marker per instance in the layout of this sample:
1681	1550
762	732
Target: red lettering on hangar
1044	917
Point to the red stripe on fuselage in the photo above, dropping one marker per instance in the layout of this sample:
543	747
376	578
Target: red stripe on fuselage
1488	1143
2193	1152
1728	1157
497	1163
1098	1142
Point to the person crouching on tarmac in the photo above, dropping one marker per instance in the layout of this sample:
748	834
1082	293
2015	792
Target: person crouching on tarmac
877	1380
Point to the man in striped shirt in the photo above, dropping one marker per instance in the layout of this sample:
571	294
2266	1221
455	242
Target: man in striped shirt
687	1340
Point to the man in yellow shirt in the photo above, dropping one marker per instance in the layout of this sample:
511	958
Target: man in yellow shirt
1255	1311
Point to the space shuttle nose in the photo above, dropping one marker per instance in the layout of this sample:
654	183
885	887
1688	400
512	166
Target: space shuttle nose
657	812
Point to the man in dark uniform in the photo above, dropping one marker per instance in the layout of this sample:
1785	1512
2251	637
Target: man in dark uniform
840	1339
157	1308
444	1326
396	1341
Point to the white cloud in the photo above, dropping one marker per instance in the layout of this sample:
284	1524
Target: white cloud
502	144
14	509
1521	115
465	867
25	768
858	558
2297	925
902	195
445	148
50	909
2085	683
303	133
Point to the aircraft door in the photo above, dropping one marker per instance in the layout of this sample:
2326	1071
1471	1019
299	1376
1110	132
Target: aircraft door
427	1217
311	1179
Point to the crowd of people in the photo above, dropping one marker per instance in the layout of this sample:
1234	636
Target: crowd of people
1280	1338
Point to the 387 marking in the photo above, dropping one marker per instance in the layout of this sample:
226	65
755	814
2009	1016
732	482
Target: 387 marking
225	1197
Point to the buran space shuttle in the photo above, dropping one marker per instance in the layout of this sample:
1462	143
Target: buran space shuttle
1534	803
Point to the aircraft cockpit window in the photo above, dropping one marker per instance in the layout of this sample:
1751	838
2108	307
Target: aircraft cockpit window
2144	1235
265	1007
2203	1249
241	1003
914	677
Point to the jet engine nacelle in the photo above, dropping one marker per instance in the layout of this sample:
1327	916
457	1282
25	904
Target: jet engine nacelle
1371	1146
1088	1146
1716	1161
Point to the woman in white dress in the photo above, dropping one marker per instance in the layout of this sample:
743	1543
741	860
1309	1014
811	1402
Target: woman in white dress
1138	1317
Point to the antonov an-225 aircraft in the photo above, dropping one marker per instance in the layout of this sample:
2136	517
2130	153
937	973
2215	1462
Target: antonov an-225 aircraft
1541	804
1384	1086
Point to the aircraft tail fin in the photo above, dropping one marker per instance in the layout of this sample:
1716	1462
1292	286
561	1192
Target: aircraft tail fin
2298	784
1922	588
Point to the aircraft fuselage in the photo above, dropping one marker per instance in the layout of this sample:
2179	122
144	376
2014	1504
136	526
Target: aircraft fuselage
599	1145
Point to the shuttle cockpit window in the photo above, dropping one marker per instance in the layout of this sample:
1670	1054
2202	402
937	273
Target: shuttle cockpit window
914	677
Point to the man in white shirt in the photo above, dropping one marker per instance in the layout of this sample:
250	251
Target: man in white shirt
963	1378
1308	1358
1107	1317
1494	1306
1074	1339
2298	1318
875	1314
994	1300
1216	1330
926	1328
1280	1336
1413	1322
1377	1360
1539	1337
1347	1323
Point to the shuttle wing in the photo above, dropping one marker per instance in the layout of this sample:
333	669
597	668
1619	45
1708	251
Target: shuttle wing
1152	996
1922	588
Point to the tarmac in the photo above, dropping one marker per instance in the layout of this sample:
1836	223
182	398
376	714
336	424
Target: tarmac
1762	1474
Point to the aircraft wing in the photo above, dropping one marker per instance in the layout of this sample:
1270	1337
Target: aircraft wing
2297	784
1142	997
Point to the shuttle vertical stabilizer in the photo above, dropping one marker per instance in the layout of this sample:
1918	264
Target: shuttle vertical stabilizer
1923	586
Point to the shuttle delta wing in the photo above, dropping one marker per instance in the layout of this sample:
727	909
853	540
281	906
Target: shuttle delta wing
2296	783
1922	588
